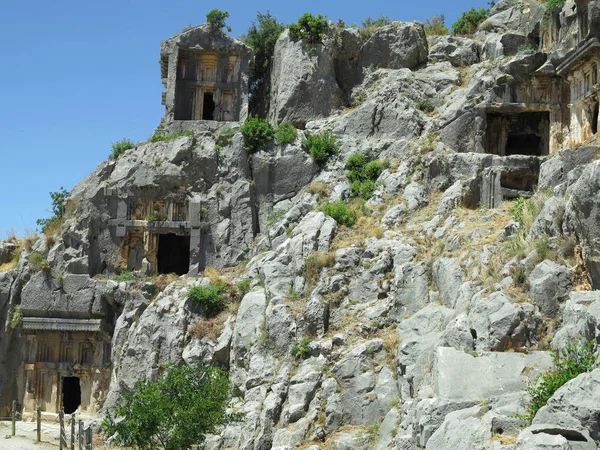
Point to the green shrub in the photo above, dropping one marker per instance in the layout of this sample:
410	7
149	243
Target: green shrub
469	21
120	147
216	19
320	146
575	361
261	38
159	136
527	47
286	133
176	412
16	316
309	28
521	209
436	26
257	133
211	298
302	350
58	211
363	173
554	5
124	276
156	216
363	189
340	212
243	287
37	262
425	106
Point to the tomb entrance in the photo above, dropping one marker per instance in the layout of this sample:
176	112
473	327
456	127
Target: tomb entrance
71	394
173	254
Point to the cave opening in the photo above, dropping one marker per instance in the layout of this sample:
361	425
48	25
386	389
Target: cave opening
71	394
173	254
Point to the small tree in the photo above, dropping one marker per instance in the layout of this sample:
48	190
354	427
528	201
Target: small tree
216	19
261	38
58	210
309	28
469	21
175	412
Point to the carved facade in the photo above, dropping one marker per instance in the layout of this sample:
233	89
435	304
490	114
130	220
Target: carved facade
554	107
159	235
205	74
67	365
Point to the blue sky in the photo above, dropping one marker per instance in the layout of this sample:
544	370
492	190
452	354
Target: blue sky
78	75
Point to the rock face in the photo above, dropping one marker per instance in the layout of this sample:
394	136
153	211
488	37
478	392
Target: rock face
583	213
420	326
573	406
313	80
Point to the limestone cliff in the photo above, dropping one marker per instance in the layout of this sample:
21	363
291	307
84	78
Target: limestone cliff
420	325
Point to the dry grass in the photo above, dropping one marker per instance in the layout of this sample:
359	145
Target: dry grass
215	276
211	329
162	281
314	263
52	231
504	439
320	189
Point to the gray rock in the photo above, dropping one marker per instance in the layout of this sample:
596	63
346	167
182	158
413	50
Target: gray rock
501	325
250	320
575	405
7	251
303	83
475	430
549	284
416	196
550	219
554	170
457	50
580	320
583	215
542	437
460	376
448	275
399	45
451	198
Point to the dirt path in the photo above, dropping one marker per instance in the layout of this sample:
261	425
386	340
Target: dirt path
25	437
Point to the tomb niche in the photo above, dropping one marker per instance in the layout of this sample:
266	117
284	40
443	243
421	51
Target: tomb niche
206	77
518	133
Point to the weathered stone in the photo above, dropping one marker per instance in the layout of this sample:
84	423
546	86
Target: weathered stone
462	377
550	284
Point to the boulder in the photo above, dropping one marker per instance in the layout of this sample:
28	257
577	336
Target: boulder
549	283
456	50
575	405
460	376
399	45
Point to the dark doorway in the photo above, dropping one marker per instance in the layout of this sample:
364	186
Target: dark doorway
523	144
71	394
173	254
523	133
208	108
594	123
